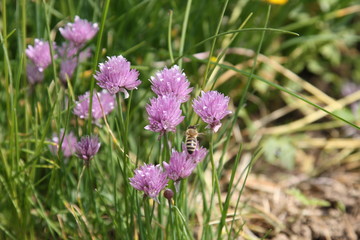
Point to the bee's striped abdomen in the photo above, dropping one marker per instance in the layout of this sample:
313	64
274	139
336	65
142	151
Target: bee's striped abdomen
191	144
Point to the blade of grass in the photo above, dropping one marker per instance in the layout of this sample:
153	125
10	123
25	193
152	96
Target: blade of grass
169	37
183	32
255	156
206	75
229	193
96	59
292	93
224	49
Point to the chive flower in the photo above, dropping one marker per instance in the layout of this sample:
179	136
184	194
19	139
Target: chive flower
115	75
33	74
99	108
150	179
70	57
80	31
67	50
171	82
164	114
182	164
67	68
39	54
179	166
198	155
87	147
67	146
211	107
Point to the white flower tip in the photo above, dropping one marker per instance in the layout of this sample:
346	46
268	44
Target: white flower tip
177	186
156	199
126	94
216	128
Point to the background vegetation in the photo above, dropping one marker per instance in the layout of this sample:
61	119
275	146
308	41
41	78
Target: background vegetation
293	125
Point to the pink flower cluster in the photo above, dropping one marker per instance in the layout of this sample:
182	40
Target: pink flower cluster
77	33
102	104
80	31
85	149
212	107
171	82
164	114
182	164
67	145
152	179
172	88
116	76
39	54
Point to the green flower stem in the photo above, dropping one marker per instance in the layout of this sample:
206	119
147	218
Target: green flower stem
215	178
171	221
96	58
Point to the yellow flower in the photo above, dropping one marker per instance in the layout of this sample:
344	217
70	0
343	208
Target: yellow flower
278	2
213	59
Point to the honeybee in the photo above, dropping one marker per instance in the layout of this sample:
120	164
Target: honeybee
191	139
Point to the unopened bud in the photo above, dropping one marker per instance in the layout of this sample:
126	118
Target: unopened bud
168	194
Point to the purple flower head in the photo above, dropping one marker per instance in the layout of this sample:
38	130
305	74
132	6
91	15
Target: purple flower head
67	68
33	74
84	55
115	75
67	146
164	114
87	148
150	179
67	50
70	58
171	82
180	166
39	54
212	107
99	108
80	31
198	155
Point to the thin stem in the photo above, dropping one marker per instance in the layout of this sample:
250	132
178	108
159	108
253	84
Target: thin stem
169	37
206	76
183	31
78	185
229	193
171	221
248	168
215	177
247	87
148	218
